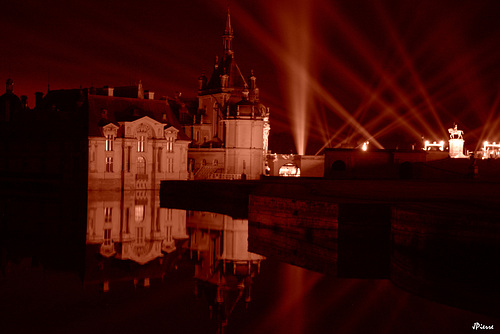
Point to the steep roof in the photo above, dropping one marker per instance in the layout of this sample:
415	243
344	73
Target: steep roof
227	65
122	109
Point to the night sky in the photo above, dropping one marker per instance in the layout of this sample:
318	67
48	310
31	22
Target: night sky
400	69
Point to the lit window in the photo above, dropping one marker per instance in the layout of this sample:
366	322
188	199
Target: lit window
139	213
109	143
108	212
140	143
289	169
170	144
170	165
109	164
107	236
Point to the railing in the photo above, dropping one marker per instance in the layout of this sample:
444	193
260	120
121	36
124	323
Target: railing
205	172
223	176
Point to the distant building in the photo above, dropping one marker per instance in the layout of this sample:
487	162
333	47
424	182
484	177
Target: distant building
372	163
295	165
228	125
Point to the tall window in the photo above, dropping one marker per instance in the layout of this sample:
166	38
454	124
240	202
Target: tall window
109	164
107	236
127	221
140	234
129	149
170	144
108	212
109	143
159	159
141	143
141	165
169	233
169	214
170	165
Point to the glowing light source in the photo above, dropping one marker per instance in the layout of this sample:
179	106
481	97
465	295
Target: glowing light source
289	169
490	150
428	146
364	147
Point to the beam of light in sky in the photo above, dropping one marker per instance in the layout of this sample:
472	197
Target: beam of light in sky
296	28
282	57
363	48
411	68
490	127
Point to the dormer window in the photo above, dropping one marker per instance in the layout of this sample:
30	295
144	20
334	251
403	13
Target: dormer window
170	144
170	137
109	132
109	142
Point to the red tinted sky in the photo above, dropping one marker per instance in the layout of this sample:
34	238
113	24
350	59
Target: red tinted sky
430	62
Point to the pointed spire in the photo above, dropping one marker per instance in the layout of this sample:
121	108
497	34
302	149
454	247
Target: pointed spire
228	36
229	29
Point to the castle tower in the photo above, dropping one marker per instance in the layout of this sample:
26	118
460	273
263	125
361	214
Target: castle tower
230	126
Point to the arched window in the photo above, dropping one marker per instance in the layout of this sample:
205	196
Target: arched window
141	165
216	162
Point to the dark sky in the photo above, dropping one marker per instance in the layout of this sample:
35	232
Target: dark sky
392	69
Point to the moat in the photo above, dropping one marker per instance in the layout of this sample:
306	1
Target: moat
128	262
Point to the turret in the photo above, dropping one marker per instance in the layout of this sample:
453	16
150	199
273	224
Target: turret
224	80
9	86
202	82
253	81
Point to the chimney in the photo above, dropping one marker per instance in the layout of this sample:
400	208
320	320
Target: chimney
24	102
148	95
140	90
38	100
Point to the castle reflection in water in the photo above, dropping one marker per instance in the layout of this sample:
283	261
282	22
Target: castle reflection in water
130	252
131	241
